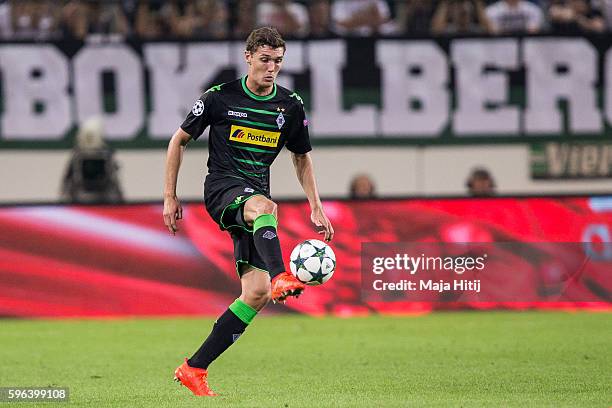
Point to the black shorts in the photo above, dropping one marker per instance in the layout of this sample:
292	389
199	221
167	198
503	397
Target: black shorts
224	200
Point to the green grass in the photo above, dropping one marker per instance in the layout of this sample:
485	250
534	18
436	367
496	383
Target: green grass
480	359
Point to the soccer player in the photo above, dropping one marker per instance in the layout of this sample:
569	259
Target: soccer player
250	120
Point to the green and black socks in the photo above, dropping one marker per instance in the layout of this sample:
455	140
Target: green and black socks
267	243
233	322
227	329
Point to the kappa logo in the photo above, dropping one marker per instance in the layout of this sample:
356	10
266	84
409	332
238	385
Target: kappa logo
269	235
249	190
237	114
236	337
198	108
253	136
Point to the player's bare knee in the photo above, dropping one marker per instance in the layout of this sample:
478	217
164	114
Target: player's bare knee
258	206
266	207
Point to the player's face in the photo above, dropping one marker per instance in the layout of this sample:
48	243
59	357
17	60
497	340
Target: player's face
264	65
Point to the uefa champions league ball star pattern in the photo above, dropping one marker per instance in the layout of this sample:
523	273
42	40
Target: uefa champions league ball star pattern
312	262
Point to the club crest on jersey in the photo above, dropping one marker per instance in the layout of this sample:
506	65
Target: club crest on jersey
198	108
280	120
253	136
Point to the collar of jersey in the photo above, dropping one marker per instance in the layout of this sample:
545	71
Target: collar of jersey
257	97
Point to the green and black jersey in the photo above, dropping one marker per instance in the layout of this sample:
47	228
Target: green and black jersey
248	131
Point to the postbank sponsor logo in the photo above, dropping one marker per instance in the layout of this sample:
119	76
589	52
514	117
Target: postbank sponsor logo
252	136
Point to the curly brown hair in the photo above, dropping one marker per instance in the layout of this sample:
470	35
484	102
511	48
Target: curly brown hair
264	36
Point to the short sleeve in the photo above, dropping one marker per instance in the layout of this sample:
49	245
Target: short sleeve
199	117
298	140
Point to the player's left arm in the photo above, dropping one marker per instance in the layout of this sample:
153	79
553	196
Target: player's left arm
304	170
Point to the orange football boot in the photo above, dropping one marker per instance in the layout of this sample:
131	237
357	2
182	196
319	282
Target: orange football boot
284	285
195	379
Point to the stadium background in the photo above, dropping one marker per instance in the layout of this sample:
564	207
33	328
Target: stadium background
415	109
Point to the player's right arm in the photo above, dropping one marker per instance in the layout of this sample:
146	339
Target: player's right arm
172	207
196	121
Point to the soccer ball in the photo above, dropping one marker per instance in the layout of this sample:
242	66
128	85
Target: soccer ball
312	262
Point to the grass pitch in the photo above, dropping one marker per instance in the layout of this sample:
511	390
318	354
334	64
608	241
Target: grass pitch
480	359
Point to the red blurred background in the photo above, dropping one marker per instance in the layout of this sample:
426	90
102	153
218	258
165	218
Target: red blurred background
105	261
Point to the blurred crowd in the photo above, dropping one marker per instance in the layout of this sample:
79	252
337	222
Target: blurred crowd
234	19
